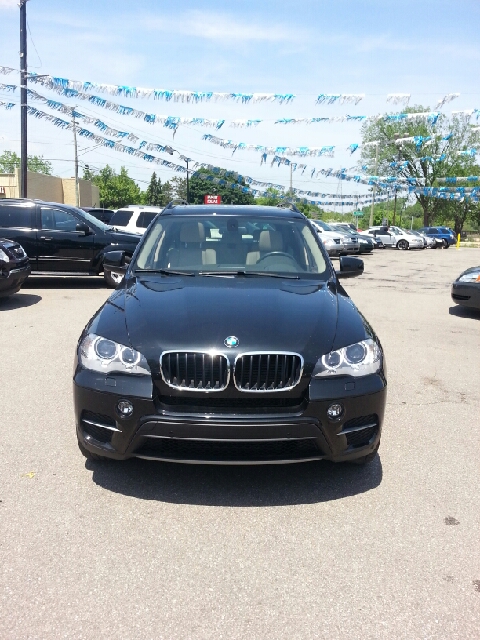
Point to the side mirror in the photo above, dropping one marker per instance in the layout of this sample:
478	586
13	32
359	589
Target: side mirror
83	228
350	267
115	260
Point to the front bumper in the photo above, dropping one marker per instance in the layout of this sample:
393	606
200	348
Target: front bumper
466	294
11	281
176	430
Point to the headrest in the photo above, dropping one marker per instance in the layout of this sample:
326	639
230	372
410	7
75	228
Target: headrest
192	232
270	241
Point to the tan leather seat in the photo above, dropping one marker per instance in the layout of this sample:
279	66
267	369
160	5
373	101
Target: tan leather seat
191	251
269	241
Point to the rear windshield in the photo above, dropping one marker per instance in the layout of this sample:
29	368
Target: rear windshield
121	218
232	243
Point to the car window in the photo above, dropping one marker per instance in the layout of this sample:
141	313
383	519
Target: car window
15	216
145	218
232	243
121	218
57	219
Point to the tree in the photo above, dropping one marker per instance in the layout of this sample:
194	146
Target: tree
116	190
200	187
9	161
426	160
271	199
153	194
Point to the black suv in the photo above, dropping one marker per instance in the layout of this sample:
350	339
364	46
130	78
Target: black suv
59	238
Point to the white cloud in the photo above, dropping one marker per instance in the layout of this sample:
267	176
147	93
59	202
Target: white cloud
220	27
8	4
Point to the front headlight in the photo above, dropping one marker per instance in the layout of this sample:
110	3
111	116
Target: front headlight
359	359
106	356
470	277
3	256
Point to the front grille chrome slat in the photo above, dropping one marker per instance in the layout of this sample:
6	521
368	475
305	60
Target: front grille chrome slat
264	371
195	370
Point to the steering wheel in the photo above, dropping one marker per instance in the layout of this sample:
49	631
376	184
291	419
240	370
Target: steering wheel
276	253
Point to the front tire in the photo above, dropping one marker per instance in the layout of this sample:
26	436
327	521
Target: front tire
402	245
446	244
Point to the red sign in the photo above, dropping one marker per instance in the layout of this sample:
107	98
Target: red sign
212	199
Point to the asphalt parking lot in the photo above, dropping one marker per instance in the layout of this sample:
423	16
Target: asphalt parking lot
149	550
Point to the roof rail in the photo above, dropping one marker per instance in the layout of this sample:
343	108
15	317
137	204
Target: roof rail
175	202
288	205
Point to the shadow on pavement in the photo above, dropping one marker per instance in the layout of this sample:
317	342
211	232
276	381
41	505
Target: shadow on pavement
18	300
231	486
464	312
66	282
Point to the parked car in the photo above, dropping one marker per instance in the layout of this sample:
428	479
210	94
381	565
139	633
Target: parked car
365	245
350	243
226	347
14	267
466	288
331	240
444	237
134	218
104	215
428	241
59	238
396	238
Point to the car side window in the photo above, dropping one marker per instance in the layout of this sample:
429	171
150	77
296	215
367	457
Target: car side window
121	218
57	220
145	218
15	216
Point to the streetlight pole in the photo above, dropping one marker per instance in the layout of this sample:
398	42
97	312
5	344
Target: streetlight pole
370	224
74	124
396	136
23	98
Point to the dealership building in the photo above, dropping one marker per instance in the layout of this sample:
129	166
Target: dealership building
50	188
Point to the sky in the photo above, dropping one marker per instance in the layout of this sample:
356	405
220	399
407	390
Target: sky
303	47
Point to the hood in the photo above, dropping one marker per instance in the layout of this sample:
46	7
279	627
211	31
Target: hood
124	236
199	313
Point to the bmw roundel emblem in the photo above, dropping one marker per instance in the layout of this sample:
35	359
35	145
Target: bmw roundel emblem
231	341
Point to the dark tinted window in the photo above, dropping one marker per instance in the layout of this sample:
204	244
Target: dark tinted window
14	215
121	218
57	219
145	218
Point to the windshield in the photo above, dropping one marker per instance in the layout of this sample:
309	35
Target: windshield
232	244
323	225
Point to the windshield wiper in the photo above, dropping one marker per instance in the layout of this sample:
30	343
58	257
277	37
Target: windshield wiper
166	272
267	274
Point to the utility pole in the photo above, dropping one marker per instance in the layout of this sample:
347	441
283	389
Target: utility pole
77	192
396	136
188	186
370	224
291	181
23	98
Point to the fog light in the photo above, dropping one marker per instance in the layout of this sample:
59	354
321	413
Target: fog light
125	408
335	411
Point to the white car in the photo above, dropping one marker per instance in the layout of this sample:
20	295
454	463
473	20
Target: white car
134	218
396	238
332	240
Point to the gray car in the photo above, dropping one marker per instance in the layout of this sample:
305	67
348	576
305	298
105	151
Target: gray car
350	243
